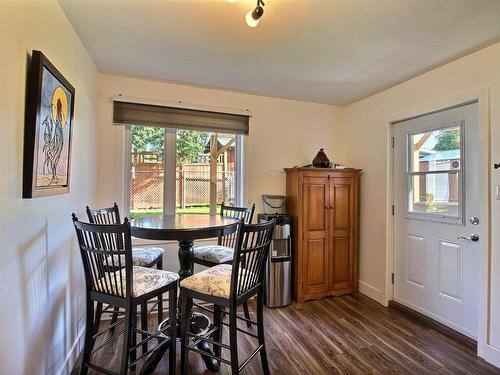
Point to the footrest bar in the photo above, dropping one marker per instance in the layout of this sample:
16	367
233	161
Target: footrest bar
155	303
259	348
108	329
211	330
106	342
160	343
209	355
196	342
151	336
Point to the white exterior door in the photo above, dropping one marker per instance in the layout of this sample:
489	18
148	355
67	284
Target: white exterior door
436	188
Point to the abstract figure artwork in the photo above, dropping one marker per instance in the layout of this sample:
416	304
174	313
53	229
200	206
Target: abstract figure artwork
48	129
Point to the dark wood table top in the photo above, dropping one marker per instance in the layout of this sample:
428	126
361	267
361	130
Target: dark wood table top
185	227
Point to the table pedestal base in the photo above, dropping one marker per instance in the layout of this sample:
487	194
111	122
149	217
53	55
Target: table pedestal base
199	326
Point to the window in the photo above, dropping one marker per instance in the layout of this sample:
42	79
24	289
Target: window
435	160
182	171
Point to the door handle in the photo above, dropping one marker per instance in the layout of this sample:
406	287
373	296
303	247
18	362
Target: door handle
473	237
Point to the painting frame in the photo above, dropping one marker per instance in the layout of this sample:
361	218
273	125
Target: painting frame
57	139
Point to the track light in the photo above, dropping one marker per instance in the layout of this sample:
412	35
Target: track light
253	17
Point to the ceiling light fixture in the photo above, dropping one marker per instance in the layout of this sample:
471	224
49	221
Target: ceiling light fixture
253	17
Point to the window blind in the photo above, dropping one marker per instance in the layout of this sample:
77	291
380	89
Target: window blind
126	113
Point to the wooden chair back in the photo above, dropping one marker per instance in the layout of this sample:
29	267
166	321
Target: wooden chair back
243	213
109	215
106	251
251	252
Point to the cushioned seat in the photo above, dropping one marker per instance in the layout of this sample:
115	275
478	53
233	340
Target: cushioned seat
214	253
145	280
214	281
142	256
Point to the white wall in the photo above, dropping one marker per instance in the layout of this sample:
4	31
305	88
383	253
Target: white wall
367	133
283	133
41	282
40	270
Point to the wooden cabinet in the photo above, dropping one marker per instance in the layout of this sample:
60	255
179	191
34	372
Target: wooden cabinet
323	204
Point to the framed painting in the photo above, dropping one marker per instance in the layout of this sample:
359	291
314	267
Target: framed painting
48	128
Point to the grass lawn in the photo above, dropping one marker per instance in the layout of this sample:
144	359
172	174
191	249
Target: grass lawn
134	214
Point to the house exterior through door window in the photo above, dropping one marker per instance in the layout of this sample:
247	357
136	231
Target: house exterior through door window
435	185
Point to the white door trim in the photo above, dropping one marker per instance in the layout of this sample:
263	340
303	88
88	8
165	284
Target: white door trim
482	96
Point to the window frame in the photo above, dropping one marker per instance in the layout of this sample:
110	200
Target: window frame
433	217
169	169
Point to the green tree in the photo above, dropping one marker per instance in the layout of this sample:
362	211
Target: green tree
448	140
147	138
190	144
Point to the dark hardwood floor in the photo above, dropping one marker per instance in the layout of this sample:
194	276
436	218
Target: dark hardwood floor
343	335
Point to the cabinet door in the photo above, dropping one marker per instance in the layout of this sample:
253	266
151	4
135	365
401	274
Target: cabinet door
341	255
315	254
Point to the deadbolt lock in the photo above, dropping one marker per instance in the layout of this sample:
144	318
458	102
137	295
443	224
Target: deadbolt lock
474	220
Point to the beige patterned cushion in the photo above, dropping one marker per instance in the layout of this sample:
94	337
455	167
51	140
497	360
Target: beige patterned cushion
215	281
214	253
145	280
141	256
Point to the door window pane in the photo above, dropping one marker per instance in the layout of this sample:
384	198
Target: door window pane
435	150
435	172
147	172
435	193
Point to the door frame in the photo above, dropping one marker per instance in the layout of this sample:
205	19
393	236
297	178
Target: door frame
482	97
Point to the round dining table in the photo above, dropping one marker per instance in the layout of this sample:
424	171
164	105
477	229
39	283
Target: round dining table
184	228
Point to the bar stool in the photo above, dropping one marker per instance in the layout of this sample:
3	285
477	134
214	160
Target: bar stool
223	252
227	286
141	256
111	278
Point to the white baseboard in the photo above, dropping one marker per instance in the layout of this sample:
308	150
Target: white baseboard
372	292
71	357
437	318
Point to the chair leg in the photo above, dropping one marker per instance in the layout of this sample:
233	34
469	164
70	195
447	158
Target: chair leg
217	336
233	339
186	304
89	330
260	332
144	325
159	266
246	311
133	338
98	312
98	316
128	333
172	319
114	318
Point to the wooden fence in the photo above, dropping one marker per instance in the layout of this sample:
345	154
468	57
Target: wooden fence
192	185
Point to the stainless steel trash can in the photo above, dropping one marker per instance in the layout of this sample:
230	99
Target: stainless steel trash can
278	279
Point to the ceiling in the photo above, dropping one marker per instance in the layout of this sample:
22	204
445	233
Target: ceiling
326	51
